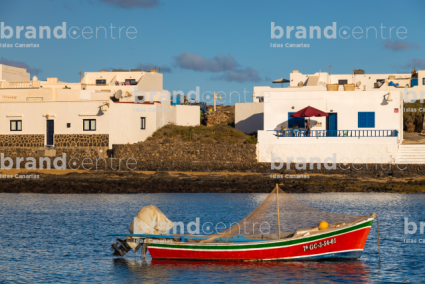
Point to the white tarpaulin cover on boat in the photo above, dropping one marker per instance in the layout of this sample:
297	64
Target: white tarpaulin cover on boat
150	220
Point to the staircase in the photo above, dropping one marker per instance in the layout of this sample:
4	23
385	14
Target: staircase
411	154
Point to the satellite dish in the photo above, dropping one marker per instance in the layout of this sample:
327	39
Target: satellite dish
358	84
118	94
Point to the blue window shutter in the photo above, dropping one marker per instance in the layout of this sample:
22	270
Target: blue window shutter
371	119
291	120
301	122
295	120
366	120
362	119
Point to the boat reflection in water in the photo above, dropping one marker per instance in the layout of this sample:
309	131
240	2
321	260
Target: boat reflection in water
172	270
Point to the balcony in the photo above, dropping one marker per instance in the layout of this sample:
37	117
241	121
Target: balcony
19	84
336	133
303	137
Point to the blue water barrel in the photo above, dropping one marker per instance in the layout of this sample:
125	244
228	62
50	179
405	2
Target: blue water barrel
177	101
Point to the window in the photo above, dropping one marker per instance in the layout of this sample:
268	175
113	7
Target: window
423	81
342	82
68	125
101	82
131	81
16	125
143	123
295	120
89	124
366	120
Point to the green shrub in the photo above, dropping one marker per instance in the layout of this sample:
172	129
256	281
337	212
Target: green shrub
251	140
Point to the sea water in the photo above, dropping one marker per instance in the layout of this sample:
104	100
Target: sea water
63	238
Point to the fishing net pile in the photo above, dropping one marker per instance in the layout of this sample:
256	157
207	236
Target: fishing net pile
281	216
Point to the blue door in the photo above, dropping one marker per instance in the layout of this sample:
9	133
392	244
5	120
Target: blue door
332	125
50	131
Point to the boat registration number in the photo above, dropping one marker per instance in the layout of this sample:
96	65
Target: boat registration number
319	245
138	241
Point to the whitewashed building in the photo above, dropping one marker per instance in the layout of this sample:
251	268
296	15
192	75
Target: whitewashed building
93	112
365	122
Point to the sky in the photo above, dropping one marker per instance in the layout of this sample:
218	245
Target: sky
222	45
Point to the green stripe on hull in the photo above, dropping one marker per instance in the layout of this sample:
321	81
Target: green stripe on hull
234	246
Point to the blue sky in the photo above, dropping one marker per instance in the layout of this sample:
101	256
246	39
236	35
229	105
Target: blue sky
216	45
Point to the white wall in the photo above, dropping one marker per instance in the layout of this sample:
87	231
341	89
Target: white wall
187	115
110	77
346	149
125	122
10	73
345	104
249	117
52	94
33	116
366	80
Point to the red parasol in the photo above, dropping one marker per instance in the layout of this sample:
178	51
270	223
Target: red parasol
309	112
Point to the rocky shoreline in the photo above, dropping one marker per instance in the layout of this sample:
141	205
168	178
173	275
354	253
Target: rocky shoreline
128	182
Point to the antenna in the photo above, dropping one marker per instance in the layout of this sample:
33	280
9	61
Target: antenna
79	73
330	80
36	73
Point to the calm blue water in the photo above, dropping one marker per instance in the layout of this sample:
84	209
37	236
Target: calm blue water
62	239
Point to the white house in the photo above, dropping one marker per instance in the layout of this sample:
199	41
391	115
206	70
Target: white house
361	127
364	122
91	113
249	117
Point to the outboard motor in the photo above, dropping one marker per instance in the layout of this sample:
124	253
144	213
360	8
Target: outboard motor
121	248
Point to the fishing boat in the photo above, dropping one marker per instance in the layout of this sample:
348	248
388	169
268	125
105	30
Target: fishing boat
280	228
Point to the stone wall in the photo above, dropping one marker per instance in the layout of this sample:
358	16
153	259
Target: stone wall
81	140
245	153
61	140
192	157
22	140
77	154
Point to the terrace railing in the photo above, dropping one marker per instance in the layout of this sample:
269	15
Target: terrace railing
336	133
18	84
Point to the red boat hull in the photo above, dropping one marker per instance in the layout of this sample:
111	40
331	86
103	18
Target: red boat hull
343	244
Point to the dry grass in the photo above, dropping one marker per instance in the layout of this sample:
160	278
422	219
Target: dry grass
224	133
221	134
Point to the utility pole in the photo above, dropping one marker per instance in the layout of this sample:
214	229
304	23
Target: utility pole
216	97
